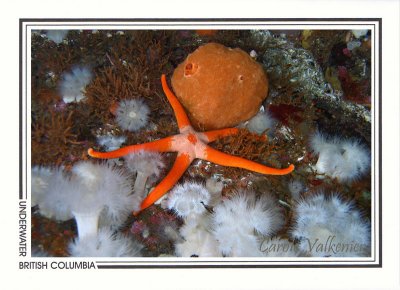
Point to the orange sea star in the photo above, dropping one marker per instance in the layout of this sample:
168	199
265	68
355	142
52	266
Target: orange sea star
190	145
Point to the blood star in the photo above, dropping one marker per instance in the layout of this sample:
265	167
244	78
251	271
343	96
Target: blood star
190	145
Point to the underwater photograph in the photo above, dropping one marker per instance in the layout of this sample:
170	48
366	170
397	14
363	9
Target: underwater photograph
225	143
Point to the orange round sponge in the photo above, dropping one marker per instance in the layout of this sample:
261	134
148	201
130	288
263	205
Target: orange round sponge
219	87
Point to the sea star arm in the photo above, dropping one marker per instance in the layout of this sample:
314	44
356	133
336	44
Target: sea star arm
180	114
215	134
224	159
162	145
182	162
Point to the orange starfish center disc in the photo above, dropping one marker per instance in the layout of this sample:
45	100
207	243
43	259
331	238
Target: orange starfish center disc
192	138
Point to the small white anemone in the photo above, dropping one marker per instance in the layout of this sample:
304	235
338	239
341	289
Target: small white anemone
73	84
296	188
147	166
105	244
111	142
345	160
53	202
261	122
239	222
105	193
56	35
40	179
198	240
359	32
188	199
132	115
215	187
321	220
91	193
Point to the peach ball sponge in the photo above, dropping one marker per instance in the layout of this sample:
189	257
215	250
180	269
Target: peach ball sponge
219	87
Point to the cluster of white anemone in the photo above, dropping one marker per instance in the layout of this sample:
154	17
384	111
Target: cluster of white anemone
105	243
246	225
328	226
241	221
215	227
96	196
190	201
344	159
73	84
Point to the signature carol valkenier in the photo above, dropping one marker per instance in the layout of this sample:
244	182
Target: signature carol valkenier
316	247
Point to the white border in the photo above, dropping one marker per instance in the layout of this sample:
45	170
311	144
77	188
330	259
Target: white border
386	277
266	25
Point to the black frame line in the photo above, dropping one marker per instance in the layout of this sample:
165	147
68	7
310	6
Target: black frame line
208	22
196	19
20	133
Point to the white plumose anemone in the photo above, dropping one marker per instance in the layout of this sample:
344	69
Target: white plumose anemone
296	188
132	115
53	202
56	35
105	193
92	194
111	142
359	32
321	220
147	166
188	199
261	122
345	160
40	179
73	84
197	239
214	187
105	244
240	221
